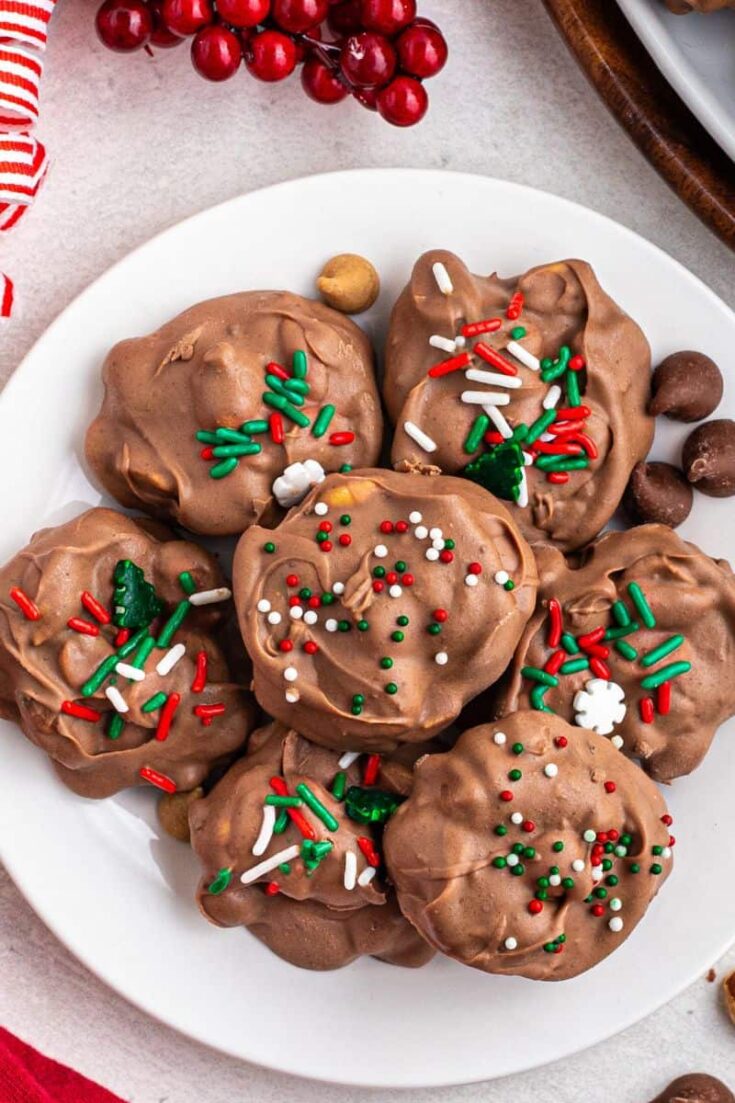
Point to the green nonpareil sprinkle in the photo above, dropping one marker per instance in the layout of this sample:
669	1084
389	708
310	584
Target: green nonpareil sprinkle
558	846
187	583
278	402
571	381
665	674
535	675
285	867
228	450
626	650
569	644
518	333
143	651
574	666
501	829
269	547
391	688
173	624
322	420
255	425
656	653
480	426
103	671
154	702
620	612
220	882
540	426
316	806
639	600
223	468
276	385
623	630
283	802
537	698
115	727
281	822
339	784
299	365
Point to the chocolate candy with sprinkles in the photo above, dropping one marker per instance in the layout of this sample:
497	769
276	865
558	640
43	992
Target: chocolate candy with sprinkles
381	639
530	848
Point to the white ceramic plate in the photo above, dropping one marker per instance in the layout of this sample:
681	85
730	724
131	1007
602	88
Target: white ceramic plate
99	874
696	54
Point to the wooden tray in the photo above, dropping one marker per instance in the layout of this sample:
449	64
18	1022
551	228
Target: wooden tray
658	121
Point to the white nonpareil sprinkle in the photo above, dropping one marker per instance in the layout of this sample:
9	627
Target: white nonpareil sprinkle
501	577
516	817
264	606
512	860
432	554
485	398
265	835
310	617
526	358
438	544
578	865
419	436
290	674
616	904
421	532
441	658
500	738
395	591
597	873
589	835
210	597
415	517
523	490
460	341
295	612
491	378
348	758
616	924
617	742
436	533
620	851
380	551
274	617
116	699
366	876
443	280
666	852
321	509
292	696
331	625
132	672
551	769
165	665
555	879
338	588
286	855
499	421
552	398
511	943
444	343
470	579
350	878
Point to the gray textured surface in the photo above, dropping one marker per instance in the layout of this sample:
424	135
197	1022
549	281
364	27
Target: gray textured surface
138	146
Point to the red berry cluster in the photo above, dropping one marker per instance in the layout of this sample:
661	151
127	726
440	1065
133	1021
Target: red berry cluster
375	50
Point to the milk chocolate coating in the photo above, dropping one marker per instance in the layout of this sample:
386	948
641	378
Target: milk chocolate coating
564	305
687	386
206	369
708	458
659	494
441	845
378	637
689	594
44	663
695	1087
314	921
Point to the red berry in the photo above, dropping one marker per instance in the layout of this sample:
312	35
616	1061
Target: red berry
344	18
387	16
216	53
404	102
297	16
422	49
186	17
322	85
271	56
124	25
161	37
368	60
368	97
244	13
304	44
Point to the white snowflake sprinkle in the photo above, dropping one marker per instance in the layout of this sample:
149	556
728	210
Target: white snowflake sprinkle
599	706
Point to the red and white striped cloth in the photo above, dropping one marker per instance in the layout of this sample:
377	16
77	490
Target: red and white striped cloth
23	34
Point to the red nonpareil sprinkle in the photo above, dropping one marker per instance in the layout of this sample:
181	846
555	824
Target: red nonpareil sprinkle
528	826
597	910
667	820
553	636
325	526
402	526
515	306
474	568
559	948
371	855
285	645
446	556
645	707
555	662
576	363
278	785
341	438
310	647
82	712
663	699
408	579
292	580
456	363
590	637
326	546
275	425
561	741
557	477
558	447
570	413
610	786
613	835
314	601
93	606
602	837
492	356
440	615
166	715
345	540
372	766
272	889
535	907
277	370
294	600
474	329
207	713
200	674
78	624
28	608
159	780
506	795
207	453
386	527
596	860
599	668
378	586
672	840
122	637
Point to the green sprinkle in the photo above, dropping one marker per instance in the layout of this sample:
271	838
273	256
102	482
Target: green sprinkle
225	467
321	537
517	333
204	436
655	654
600	893
363	625
283	802
378	572
558	846
509	585
173	623
278	402
276	385
231	436
402	620
115	727
317	807
501	829
343	626
517	748
296	386
562	463
644	609
358	699
529	852
665	674
534	674
449	544
656	869
569	644
269	547
140	657
345	519
397	637
517	848
328	599
567	882
626	650
542	882
480	426
540	426
299	365
127	648
322	420
103	671
518	870
621	614
571	381
154	702
520	433
220	882
612	880
537	699
339	784
623	630
386	662
345	469
285	867
236	450
657	850
635	868
515	775
281	822
256	425
370	805
187	583
391	688
542	894
499	862
574	666
434	629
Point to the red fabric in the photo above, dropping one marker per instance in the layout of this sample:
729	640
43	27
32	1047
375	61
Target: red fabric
26	1076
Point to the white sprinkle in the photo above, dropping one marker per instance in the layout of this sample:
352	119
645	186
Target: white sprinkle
616	924
395	591
442	278
366	876
443	343
500	738
552	398
551	769
527	459
321	508
269	864
615	904
310	617
460	342
477	375
415	517
131	672
498	419
209	597
578	865
501	577
421	532
296	612
512	860
485	398
441	658
555	879
338	588
597	873
436	533
523	490
262	842
617	742
511	943
422	439
666	852
292	696
438	544
620	851
274	617
116	699
264	606
290	674
470	579
526	358
432	554
350	878
516	817
589	835
165	665
331	625
348	758
380	551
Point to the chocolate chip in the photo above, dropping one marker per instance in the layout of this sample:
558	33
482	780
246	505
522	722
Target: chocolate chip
696	1087
708	458
687	386
658	493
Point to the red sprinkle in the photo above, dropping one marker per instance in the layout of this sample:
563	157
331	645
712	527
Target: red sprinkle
294	600
277	370
159	780
78	624
528	826
474	568
285	645
571	413
341	438
325	526
599	669
561	741
292	580
557	477
82	712
402	526
456	363
515	306
314	601
200	676
275	423
372	766
378	586
576	363
581	438
207	453
28	608
558	447
590	637
645	708
506	795
610	786
672	840
599	650
613	835
93	606
386	527
166	716
446	556
554	663
493	437
207	713
272	889
535	907
122	637
408	580
371	855
345	539
667	820
278	785
554	634
391	578
663	699
492	356
598	910
310	647
326	546
474	329
440	615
